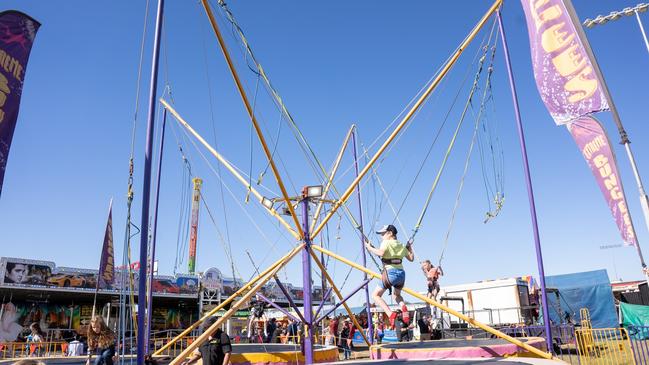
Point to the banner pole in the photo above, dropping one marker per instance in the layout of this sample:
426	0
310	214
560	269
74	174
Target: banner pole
528	183
644	200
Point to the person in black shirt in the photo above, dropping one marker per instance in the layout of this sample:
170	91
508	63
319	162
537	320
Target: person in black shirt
424	328
216	350
402	329
271	326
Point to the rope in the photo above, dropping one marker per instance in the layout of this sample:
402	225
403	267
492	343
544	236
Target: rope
485	96
459	192
259	70
496	193
449	148
126	259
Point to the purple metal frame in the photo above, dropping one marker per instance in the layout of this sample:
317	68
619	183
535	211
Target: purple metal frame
360	210
154	229
528	182
146	188
363	284
306	278
263	297
290	301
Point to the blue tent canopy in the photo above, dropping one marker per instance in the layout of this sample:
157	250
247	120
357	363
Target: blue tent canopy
590	289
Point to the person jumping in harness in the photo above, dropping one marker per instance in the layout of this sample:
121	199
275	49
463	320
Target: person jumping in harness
432	275
392	253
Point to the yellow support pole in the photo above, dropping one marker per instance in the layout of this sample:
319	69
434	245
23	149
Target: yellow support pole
208	332
409	115
228	166
330	179
223	304
340	297
446	309
251	114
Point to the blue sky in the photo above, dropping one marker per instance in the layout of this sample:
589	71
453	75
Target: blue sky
334	64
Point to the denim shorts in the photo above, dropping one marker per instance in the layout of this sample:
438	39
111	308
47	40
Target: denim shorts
397	277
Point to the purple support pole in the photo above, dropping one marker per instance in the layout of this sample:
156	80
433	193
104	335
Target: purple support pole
146	190
288	298
156	201
370	327
306	278
528	181
324	299
363	285
286	313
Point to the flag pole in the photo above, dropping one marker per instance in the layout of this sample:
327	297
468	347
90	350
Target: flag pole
644	200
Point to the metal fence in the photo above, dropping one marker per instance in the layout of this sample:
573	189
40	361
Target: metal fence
639	336
604	346
10	350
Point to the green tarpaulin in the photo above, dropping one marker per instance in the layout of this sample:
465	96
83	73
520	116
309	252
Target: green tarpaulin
634	315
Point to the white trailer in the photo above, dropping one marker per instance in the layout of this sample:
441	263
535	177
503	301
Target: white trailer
495	302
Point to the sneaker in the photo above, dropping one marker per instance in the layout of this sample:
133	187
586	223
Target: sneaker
393	317
405	314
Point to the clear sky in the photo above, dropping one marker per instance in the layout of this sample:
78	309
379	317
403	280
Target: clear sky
334	64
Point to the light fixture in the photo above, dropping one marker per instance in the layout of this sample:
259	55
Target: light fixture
314	191
267	203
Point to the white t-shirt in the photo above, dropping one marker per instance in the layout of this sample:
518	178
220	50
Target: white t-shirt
75	348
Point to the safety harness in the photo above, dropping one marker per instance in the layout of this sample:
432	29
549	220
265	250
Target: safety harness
384	273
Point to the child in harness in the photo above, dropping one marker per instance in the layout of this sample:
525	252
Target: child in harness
392	253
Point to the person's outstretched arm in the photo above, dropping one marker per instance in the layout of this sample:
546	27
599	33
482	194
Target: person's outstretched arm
374	250
411	254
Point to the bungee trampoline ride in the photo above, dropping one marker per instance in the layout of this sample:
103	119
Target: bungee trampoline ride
305	229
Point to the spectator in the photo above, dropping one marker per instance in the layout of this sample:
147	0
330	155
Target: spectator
258	337
344	339
271	326
102	340
292	331
424	328
333	331
215	351
36	336
75	347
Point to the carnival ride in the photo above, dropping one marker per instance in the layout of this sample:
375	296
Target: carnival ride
307	231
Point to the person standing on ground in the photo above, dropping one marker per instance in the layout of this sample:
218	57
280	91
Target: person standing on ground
75	347
424	328
101	340
270	330
216	350
258	337
34	338
392	253
344	339
333	331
